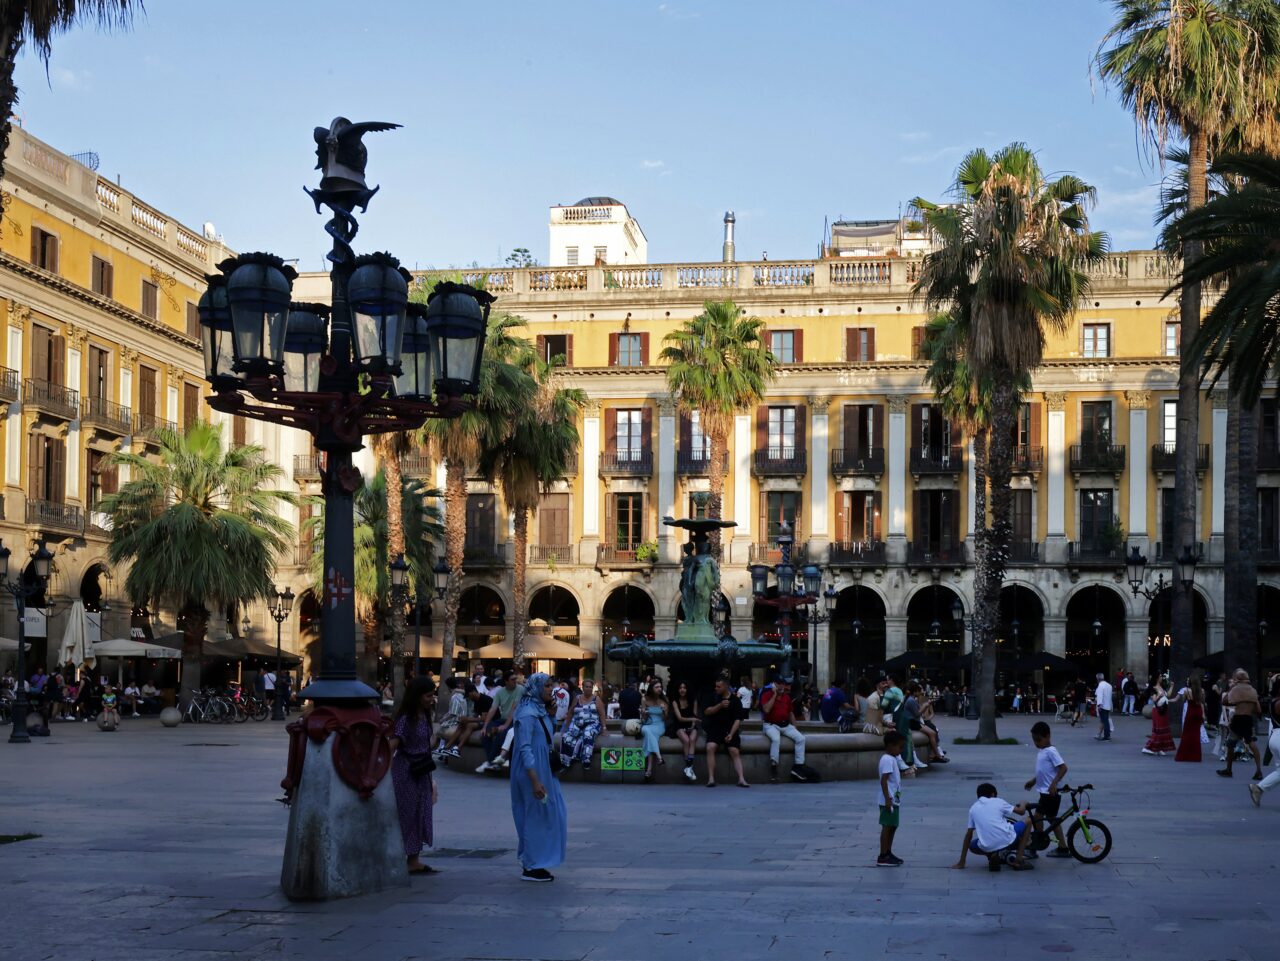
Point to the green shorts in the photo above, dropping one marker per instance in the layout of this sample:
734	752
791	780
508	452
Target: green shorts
889	817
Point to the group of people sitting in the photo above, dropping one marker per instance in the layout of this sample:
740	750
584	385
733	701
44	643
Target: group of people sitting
71	695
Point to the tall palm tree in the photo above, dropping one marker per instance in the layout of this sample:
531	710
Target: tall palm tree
421	531
37	22
719	366
388	449
1013	256
1205	70
506	389
198	526
534	455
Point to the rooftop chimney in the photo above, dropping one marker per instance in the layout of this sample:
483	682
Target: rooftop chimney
729	220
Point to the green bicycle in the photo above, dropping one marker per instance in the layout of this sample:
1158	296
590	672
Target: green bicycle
1088	839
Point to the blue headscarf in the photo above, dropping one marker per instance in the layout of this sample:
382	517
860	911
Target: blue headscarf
532	704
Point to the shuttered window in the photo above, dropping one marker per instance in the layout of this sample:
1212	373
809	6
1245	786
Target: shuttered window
99	375
147	391
860	345
102	277
44	250
481	521
46	469
150	301
190	404
553	520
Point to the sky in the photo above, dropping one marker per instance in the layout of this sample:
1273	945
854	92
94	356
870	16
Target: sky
788	113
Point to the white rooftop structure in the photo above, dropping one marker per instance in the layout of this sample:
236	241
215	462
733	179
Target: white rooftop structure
595	230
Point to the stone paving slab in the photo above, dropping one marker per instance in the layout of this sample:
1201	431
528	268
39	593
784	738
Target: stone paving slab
159	845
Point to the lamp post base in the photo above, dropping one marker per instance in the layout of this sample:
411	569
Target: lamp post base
19	733
342	842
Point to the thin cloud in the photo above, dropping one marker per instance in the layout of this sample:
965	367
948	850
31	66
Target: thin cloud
676	13
914	136
653	164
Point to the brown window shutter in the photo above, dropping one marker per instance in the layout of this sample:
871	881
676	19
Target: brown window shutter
1035	425
110	280
52	259
875	516
764	519
800	428
58	472
852	429
686	433
850	344
40	351
957	434
762	428
956	529
35	245
646	429
877	426
797	348
611	429
568	350
920	523
237	431
644	518
917	343
917	413
35	467
610	528
540	344
58	359
644	349
871	345
613	350
111	480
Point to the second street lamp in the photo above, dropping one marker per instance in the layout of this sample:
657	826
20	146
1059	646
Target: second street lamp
22	591
279	609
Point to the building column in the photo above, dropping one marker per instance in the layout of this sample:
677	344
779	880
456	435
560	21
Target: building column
895	636
1137	631
819	471
1055	545
1218	476
14	434
1216	634
896	454
1055	636
76	339
668	547
590	483
740	548
821	654
1139	401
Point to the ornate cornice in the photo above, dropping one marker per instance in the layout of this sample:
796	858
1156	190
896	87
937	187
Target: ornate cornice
1055	400
176	374
666	406
820	404
592	407
1218	398
78	336
1138	399
898	403
19	315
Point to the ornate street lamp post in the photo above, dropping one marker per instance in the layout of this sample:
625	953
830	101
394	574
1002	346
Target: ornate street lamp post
340	374
1136	566
790	595
279	607
21	592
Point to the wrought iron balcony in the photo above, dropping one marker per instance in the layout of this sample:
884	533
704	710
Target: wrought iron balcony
937	460
698	463
545	555
1167	553
769	553
937	555
626	463
480	556
1028	460
55	517
307	466
1164	457
1024	552
1091	553
97	522
614	556
857	461
856	554
106	415
149	426
50	398
779	461
414	466
9	384
1097	458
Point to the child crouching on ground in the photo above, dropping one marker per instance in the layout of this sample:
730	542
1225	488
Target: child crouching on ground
991	833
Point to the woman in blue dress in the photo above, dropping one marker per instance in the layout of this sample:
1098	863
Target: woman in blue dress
537	806
656	708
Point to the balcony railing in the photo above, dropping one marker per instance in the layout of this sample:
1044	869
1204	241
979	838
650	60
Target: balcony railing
1167	553
307	466
698	464
857	461
106	415
936	555
1094	554
149	426
626	463
9	384
770	553
483	556
856	554
1164	457
411	465
52	516
97	522
1024	552
1097	458
1028	460
775	461
51	398
303	552
1268	456
620	555
548	554
937	460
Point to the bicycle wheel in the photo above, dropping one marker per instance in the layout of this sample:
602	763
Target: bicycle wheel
242	712
1090	842
261	710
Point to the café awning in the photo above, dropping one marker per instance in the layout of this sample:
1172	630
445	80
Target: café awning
123	647
539	646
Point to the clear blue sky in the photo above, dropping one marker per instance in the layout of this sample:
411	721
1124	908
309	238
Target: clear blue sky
785	112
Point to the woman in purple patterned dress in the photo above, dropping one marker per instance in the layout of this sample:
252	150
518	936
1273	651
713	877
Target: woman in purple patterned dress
415	795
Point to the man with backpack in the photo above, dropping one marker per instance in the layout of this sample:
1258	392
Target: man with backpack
779	717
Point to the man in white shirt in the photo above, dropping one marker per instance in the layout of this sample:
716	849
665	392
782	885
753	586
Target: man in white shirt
1102	696
131	697
745	694
990	831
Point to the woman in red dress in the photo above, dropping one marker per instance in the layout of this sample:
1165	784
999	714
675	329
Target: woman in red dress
1161	740
1192	720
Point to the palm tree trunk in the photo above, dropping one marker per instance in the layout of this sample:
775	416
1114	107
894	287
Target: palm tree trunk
979	488
195	622
371	628
994	552
455	537
10	44
1240	540
395	547
715	484
520	587
1187	437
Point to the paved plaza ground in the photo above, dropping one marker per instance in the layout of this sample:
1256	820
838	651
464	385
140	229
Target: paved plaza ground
165	845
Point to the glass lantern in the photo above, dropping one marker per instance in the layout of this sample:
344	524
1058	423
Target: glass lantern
378	291
305	341
258	287
457	316
415	380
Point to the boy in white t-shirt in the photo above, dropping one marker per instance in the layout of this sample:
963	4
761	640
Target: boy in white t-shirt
1051	770
890	798
990	831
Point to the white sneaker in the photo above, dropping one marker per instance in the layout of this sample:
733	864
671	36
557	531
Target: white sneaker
1255	794
453	752
922	766
485	767
903	765
1148	751
502	763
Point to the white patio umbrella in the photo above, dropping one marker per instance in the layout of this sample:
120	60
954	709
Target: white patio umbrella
76	647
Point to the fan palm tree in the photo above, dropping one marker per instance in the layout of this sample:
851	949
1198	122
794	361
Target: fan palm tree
1013	257
719	366
1208	71
37	22
373	553
506	389
198	526
388	449
536	453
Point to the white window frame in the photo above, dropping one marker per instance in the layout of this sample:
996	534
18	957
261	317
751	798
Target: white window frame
571	256
782	432
1169	423
629	439
699	442
777	349
1170	338
630	352
1090	351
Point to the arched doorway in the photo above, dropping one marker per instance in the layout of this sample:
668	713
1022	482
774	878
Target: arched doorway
481	616
932	624
1021	621
627	612
558	609
857	634
1159	641
1095	631
1268	627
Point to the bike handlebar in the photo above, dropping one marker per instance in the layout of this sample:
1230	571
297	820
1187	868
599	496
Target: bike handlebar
1067	788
